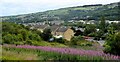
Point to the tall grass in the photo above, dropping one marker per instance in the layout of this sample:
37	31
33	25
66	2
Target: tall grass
50	53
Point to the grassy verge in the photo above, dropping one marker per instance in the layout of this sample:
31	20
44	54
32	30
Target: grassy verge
32	54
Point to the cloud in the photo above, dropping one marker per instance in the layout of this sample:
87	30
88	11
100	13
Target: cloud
13	7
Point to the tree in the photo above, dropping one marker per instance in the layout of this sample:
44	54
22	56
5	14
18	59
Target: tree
46	35
17	34
8	39
24	34
89	29
60	40
99	35
116	26
113	44
20	38
76	39
34	36
102	24
78	32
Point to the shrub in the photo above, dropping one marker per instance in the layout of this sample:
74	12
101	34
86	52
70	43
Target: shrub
113	44
8	39
15	34
92	34
60	40
29	42
46	35
88	44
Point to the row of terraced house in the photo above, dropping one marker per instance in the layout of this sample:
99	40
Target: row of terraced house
57	31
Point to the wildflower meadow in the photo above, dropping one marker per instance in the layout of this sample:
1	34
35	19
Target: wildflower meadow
52	53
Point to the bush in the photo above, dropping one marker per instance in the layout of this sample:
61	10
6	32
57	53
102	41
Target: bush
8	39
60	40
80	41
19	43
88	44
46	35
107	48
113	44
18	34
29	42
74	41
92	34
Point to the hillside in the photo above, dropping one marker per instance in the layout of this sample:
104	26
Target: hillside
87	12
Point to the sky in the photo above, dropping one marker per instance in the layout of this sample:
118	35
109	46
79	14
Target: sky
15	7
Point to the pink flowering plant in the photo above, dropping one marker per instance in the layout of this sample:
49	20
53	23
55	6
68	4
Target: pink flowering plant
63	53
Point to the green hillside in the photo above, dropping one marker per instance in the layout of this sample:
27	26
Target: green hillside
87	12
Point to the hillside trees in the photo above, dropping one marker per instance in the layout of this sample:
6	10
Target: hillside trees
8	39
15	33
110	11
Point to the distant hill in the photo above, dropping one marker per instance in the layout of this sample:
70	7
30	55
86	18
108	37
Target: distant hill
86	12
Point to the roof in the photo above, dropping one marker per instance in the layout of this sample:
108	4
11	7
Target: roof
40	26
53	28
62	29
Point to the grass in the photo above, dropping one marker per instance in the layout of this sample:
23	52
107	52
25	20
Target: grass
51	44
16	55
95	46
29	54
45	43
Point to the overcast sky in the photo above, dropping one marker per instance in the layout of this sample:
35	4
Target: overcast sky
14	7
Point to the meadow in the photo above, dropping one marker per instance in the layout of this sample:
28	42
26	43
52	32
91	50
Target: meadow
28	52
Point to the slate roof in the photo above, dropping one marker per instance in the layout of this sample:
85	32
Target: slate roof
41	26
62	29
53	28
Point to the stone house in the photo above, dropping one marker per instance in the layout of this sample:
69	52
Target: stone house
57	31
64	32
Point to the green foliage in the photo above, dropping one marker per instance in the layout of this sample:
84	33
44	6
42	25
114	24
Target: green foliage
79	40
35	37
89	29
115	26
18	34
46	35
92	34
74	41
113	44
8	39
60	40
20	38
86	44
24	34
102	24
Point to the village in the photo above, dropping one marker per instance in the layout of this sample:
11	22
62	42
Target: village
60	30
